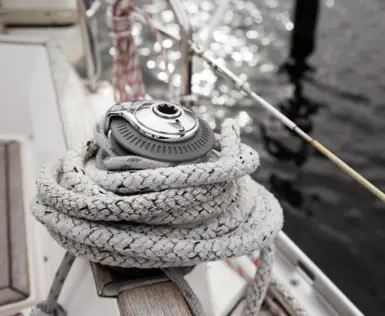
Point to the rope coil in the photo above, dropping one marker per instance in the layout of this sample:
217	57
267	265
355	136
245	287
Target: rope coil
172	216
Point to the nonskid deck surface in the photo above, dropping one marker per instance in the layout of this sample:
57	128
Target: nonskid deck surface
14	281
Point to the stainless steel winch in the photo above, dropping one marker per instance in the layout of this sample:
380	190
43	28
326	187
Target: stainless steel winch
158	130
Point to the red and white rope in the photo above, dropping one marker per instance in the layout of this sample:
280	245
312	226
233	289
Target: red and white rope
159	39
127	76
274	308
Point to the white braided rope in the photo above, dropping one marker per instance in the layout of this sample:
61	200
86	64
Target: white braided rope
287	296
256	291
276	288
164	217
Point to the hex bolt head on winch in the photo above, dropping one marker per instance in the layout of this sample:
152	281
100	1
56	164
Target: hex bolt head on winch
158	130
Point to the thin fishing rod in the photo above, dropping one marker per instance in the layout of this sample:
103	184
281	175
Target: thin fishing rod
245	87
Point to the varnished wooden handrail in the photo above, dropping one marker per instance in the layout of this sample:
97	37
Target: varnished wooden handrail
163	299
140	292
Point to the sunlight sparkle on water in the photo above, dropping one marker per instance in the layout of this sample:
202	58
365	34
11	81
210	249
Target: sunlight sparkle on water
267	68
167	16
258	19
330	3
222	99
236	56
289	26
157	47
151	64
272	3
220	114
196	89
248	56
207	6
175	80
243	119
224	88
248	129
144	51
192	8
167	43
162	65
136	29
252	34
174	55
228	17
202	109
220	36
170	67
163	76
243	77
172	29
112	51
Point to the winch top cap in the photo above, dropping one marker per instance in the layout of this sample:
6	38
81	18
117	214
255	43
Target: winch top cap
158	130
166	121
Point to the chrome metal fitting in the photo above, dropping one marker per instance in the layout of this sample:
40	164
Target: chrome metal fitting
158	130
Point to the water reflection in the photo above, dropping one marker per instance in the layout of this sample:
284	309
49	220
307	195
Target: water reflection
284	145
300	109
303	36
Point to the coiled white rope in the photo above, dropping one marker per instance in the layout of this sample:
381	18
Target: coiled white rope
165	217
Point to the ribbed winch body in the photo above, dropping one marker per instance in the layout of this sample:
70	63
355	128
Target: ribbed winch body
158	130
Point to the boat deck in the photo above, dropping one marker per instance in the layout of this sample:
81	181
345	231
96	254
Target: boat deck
14	284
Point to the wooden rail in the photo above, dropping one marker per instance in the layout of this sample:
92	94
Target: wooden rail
140	292
162	299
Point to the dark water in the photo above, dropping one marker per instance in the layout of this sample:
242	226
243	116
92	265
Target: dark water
332	219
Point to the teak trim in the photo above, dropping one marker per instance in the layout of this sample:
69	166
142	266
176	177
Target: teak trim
162	299
140	292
